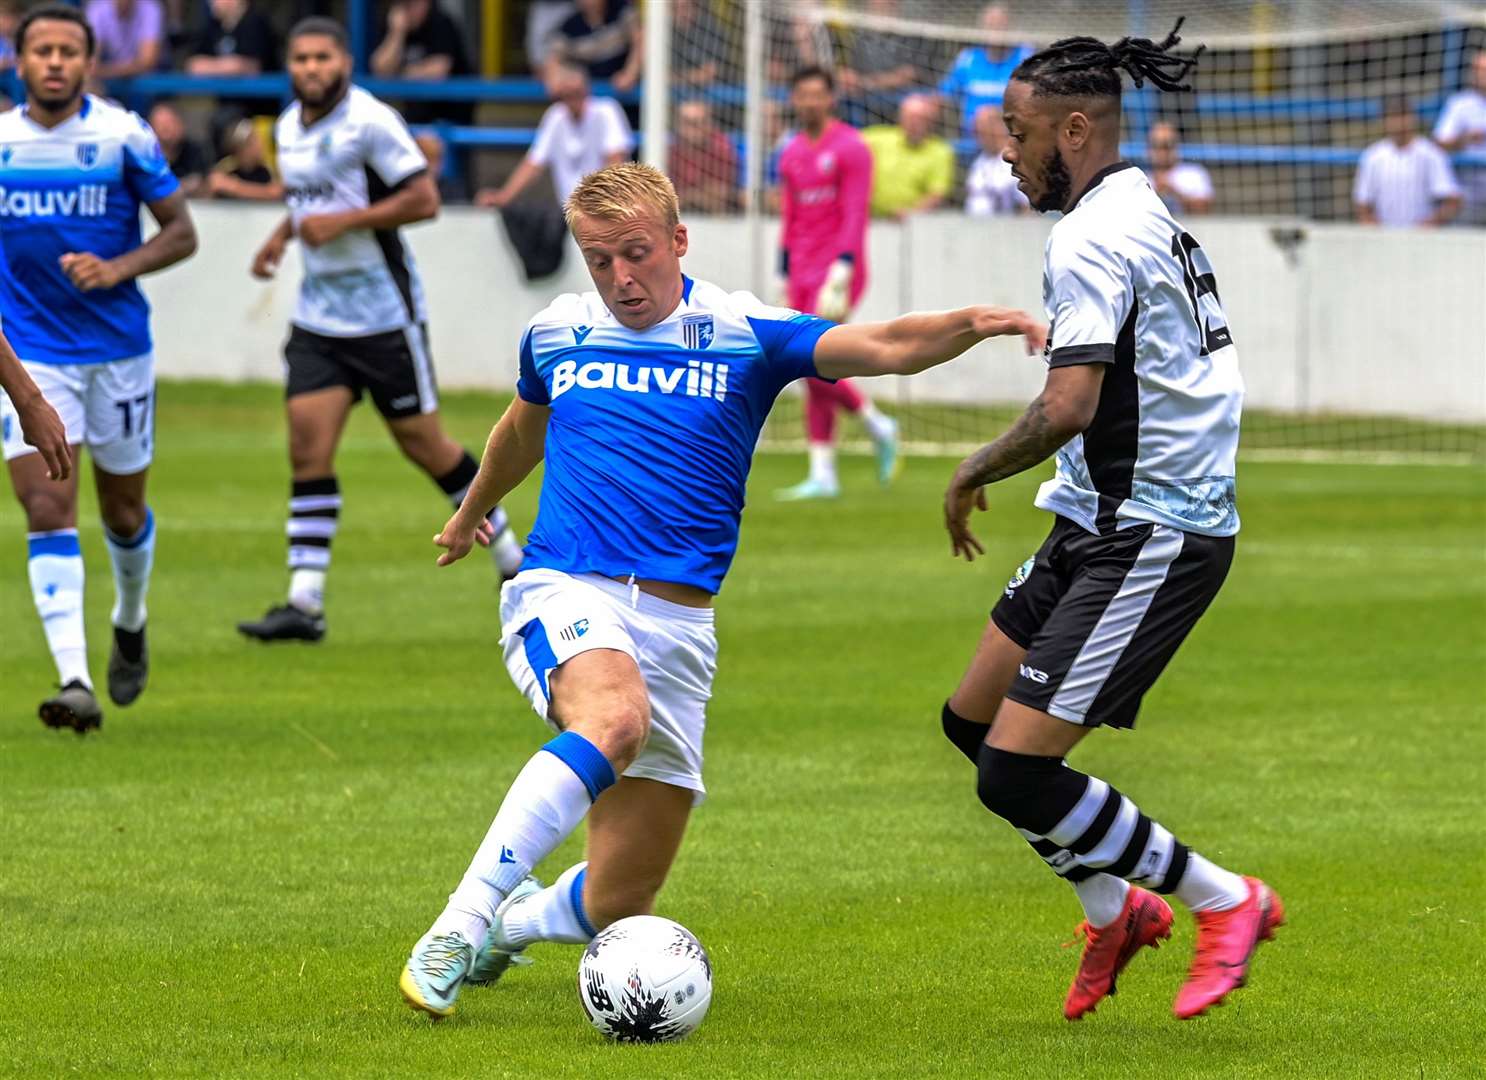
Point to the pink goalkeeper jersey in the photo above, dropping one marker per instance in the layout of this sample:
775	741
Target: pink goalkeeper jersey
824	187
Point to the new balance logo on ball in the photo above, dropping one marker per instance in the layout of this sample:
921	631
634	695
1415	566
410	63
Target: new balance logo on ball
700	378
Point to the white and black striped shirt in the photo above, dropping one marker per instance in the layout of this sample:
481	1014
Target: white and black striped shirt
1124	285
1402	184
364	282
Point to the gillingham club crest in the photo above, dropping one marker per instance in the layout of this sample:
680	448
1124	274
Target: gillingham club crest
87	154
697	331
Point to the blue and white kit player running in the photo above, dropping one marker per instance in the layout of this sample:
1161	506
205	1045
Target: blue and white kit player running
645	398
74	172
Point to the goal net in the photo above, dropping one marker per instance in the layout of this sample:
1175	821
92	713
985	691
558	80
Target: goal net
1259	161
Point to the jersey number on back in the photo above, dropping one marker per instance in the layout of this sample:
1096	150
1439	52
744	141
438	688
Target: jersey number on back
1202	291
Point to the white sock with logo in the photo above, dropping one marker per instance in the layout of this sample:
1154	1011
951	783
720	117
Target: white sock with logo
554	914
55	567
546	802
823	464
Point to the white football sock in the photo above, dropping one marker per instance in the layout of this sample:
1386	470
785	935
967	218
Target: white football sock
554	914
823	464
55	568
880	427
1103	898
1205	886
307	590
545	803
132	558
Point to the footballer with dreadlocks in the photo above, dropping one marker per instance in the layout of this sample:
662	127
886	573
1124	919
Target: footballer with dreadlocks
1141	407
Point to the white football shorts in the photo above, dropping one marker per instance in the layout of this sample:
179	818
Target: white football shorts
548	617
108	407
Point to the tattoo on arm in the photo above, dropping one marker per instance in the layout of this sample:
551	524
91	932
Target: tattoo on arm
1029	441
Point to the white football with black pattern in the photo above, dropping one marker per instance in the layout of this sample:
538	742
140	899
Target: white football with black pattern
645	979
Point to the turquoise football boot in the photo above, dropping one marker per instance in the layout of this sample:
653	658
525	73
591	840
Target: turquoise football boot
432	978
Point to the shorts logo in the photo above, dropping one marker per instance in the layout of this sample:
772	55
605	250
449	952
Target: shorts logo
87	154
1032	674
404	402
574	632
1021	575
697	331
5	428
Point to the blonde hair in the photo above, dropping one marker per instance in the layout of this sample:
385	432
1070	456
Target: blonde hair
622	191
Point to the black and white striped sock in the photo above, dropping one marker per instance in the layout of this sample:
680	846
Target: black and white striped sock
314	514
505	549
1082	827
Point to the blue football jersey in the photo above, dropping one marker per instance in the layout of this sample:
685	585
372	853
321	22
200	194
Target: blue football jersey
652	431
76	187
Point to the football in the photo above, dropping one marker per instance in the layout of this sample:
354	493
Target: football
645	979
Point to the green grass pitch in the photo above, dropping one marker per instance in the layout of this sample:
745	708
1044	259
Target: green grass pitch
227	879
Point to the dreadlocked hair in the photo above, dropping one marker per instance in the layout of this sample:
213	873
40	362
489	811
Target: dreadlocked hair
1087	67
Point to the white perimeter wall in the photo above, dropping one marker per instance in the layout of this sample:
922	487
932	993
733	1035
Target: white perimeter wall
1362	321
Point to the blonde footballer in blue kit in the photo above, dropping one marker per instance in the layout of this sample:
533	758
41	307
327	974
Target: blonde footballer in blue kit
644	399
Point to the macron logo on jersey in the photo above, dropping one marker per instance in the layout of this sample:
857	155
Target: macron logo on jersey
85	200
702	378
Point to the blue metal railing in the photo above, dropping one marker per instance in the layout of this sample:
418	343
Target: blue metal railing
139	91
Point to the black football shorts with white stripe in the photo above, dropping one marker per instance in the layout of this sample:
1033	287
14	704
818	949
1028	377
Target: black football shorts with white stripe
1101	616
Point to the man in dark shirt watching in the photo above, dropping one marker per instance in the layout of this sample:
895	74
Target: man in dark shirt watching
423	42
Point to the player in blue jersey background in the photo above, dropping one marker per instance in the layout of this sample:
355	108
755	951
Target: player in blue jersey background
74	172
645	400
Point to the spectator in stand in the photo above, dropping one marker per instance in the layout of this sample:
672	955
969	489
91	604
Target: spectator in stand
579	134
543	18
10	16
1404	179
244	173
878	62
790	46
184	155
703	165
981	72
1184	186
421	41
130	35
913	170
699	50
236	40
603	37
990	189
1462	126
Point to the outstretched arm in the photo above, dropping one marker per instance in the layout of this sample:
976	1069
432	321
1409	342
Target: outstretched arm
1065	407
516	445
918	341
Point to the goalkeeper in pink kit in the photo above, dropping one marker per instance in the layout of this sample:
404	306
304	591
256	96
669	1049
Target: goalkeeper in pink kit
825	181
